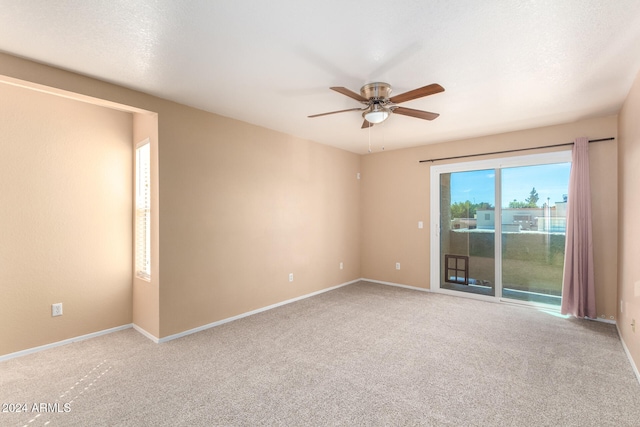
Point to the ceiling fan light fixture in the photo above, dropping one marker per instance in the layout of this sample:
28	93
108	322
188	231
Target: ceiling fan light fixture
376	114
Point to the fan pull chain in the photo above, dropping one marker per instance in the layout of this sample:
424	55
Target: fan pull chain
369	137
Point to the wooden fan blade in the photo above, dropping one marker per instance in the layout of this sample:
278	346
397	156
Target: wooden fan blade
335	112
349	93
366	124
415	113
417	93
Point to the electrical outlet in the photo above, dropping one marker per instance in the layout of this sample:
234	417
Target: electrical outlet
341	266
397	266
56	309
291	277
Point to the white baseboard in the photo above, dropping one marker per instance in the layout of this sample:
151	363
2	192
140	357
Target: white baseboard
63	342
600	319
249	313
146	334
397	285
626	350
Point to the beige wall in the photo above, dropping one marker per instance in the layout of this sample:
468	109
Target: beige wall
65	209
239	208
395	196
629	232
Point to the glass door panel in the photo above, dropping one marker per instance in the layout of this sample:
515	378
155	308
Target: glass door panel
533	219
467	231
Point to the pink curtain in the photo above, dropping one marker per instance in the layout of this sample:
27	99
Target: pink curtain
578	294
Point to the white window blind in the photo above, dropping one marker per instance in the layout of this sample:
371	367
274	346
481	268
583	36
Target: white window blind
143	211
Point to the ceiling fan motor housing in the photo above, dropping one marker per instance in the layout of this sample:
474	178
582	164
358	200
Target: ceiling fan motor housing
376	91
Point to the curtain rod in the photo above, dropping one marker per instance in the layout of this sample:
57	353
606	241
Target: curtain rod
512	151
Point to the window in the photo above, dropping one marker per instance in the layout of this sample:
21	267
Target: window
143	211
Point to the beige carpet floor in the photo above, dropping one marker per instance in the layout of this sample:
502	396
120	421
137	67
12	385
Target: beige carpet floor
365	354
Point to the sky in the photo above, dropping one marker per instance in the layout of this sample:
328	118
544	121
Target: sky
479	186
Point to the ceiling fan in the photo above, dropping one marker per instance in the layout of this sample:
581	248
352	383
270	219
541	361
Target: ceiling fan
378	105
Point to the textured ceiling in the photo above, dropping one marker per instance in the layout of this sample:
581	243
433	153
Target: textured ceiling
505	65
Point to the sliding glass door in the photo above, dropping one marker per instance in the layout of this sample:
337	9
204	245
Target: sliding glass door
498	227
